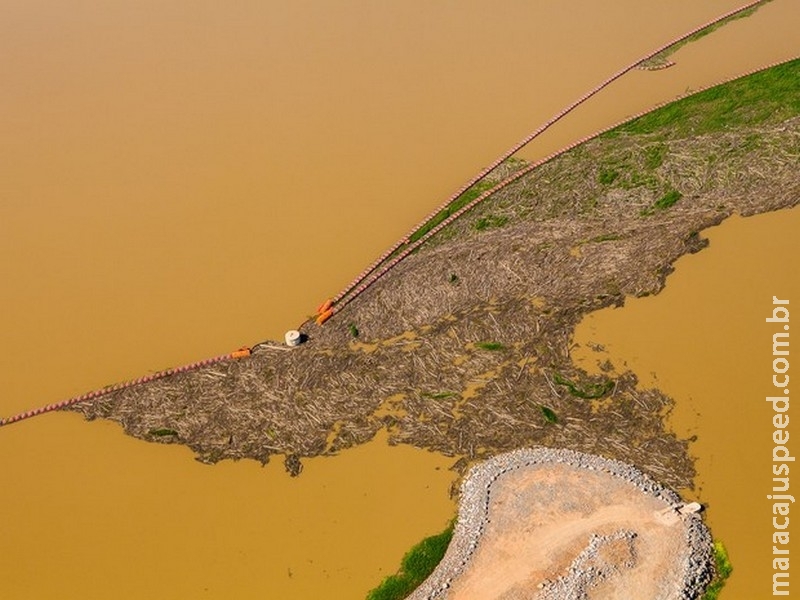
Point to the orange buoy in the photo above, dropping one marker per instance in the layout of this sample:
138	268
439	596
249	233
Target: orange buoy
324	316
325	306
240	353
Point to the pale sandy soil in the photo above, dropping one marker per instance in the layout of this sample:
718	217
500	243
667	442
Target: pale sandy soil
556	531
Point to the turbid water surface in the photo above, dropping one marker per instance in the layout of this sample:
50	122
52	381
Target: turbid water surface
180	179
704	341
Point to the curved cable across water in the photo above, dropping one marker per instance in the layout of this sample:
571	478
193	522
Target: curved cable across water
371	274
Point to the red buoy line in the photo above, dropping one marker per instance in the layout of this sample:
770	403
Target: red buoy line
526	140
527	169
375	276
121	386
369	276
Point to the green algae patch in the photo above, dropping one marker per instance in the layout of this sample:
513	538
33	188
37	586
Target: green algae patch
490	346
590	391
417	564
724	568
549	414
163	432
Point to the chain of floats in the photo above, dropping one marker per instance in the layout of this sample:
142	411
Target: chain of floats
511	179
354	289
124	385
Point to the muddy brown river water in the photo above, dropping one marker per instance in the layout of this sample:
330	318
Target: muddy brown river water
178	180
704	341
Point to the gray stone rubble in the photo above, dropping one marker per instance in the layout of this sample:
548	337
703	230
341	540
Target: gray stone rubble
587	570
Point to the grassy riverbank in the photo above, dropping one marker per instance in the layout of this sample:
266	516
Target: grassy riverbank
416	565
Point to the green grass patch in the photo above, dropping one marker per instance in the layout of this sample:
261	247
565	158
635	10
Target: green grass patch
751	142
637	179
162	432
417	564
629	170
491	346
667	200
724	568
663	203
587	392
772	95
548	414
607	176
468	196
654	156
606	237
489	222
437	395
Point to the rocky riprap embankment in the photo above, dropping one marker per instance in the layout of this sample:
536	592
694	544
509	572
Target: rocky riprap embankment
688	579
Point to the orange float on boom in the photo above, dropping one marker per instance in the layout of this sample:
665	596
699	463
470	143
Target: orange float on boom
325	306
324	316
